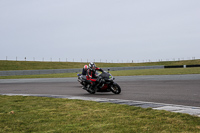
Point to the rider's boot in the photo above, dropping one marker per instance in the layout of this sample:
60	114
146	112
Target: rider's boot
88	87
91	88
84	88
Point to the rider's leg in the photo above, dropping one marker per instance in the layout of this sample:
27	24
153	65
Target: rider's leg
92	85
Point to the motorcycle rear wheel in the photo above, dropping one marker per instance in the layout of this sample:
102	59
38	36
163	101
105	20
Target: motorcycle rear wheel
116	89
91	92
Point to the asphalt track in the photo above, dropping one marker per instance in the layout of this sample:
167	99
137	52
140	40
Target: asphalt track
168	89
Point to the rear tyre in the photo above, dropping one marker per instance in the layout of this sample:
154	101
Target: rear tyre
90	89
116	89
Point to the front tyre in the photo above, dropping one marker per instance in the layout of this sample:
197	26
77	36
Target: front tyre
116	89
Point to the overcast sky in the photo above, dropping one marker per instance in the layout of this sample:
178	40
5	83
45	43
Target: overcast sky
100	30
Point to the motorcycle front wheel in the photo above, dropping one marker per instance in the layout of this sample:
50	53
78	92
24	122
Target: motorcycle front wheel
116	89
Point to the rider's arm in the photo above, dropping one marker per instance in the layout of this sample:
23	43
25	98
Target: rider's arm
99	69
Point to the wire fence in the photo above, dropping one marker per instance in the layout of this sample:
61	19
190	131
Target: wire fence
93	60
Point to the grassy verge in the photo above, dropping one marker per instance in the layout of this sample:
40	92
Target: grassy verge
33	65
39	114
59	75
169	71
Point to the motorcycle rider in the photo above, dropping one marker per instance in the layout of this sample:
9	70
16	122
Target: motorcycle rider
84	71
90	76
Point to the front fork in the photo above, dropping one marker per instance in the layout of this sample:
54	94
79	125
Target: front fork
111	86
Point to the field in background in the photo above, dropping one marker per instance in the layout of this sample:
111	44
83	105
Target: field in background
26	65
167	71
33	65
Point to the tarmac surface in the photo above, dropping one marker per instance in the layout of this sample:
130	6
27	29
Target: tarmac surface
176	93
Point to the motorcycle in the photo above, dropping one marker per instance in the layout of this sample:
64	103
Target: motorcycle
105	83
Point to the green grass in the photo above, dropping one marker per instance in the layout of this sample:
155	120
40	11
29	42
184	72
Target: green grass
59	75
28	65
167	71
33	65
39	114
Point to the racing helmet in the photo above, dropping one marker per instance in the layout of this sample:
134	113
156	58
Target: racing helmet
86	67
92	66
